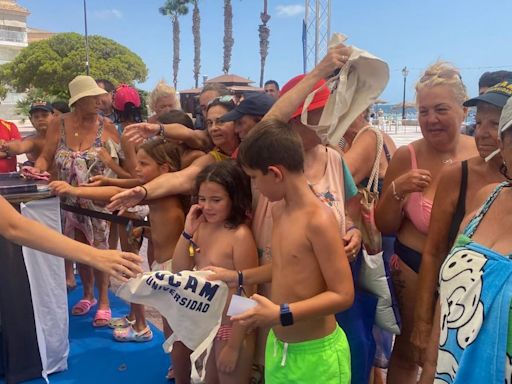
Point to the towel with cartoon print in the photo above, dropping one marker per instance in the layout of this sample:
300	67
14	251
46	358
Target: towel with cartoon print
475	295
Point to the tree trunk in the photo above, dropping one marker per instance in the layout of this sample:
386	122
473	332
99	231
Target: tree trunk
228	35
176	49
264	33
196	23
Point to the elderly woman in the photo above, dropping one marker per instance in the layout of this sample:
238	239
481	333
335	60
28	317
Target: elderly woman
450	207
406	200
475	284
162	99
72	143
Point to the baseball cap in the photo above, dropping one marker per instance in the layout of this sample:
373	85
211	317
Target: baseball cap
125	94
496	95
319	100
40	105
506	117
255	105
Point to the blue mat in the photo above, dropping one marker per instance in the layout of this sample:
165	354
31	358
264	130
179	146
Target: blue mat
96	357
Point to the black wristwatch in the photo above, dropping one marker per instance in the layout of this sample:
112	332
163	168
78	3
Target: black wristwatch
286	315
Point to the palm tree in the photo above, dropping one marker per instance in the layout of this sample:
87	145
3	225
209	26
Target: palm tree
228	35
175	9
264	33
196	22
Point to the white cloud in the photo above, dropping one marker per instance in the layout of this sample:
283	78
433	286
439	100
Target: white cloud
107	14
290	10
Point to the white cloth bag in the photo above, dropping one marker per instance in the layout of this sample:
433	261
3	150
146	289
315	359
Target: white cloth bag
192	305
357	85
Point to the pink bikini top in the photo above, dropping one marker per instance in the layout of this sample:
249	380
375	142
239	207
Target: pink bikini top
417	208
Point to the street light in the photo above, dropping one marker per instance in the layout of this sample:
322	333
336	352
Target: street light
405	72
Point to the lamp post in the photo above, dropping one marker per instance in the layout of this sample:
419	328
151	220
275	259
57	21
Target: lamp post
405	72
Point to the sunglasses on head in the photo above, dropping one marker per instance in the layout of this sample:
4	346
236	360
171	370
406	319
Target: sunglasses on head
444	74
226	99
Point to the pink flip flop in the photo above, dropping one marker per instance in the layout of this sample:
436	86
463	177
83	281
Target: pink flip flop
102	318
83	307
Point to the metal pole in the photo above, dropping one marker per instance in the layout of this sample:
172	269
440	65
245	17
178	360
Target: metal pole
86	41
405	73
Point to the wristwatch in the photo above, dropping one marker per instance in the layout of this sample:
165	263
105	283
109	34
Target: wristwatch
286	315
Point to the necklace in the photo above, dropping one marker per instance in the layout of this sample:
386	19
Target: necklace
447	161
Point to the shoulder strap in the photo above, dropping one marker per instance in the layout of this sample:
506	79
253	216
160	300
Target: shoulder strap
475	221
97	141
373	181
386	152
460	209
414	162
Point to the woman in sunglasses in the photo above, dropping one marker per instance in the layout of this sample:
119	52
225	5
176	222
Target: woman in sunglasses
406	200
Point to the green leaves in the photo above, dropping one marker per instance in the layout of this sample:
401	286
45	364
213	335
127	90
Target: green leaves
51	64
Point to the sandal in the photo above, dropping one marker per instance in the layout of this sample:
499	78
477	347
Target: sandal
120	322
102	318
130	334
83	307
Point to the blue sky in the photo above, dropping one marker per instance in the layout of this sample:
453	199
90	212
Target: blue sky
474	35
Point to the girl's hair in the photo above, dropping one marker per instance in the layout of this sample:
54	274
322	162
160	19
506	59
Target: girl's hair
227	101
61	106
164	152
130	114
162	89
232	178
443	73
176	117
167	152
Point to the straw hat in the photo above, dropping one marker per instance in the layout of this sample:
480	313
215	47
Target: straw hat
82	86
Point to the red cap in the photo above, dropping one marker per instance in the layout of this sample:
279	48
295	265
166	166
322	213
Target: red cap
125	94
318	101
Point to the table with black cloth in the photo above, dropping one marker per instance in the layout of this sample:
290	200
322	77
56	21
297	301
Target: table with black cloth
33	300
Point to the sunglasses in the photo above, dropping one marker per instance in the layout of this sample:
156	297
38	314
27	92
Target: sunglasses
226	99
444	74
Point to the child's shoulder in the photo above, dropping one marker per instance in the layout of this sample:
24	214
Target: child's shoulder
320	215
241	231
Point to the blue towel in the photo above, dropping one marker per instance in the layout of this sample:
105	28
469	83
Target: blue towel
475	297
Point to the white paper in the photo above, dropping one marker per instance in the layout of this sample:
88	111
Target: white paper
239	305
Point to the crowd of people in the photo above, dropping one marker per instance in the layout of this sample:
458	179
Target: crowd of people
249	192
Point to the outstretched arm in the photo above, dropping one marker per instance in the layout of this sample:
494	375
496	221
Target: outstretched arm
288	103
61	188
196	139
17	147
174	183
14	227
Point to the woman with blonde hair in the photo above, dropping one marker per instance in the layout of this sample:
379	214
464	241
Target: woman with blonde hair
162	99
406	200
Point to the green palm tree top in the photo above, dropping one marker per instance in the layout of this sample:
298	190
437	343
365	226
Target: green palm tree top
174	7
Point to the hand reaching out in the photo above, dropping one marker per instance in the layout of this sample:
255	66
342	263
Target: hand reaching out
137	133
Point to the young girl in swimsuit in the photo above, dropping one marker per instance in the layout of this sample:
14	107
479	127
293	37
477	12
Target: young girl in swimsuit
216	234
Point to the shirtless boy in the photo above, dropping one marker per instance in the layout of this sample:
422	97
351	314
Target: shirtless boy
310	274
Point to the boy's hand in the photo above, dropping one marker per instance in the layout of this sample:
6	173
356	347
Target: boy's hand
228	276
61	188
228	359
265	314
96	181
